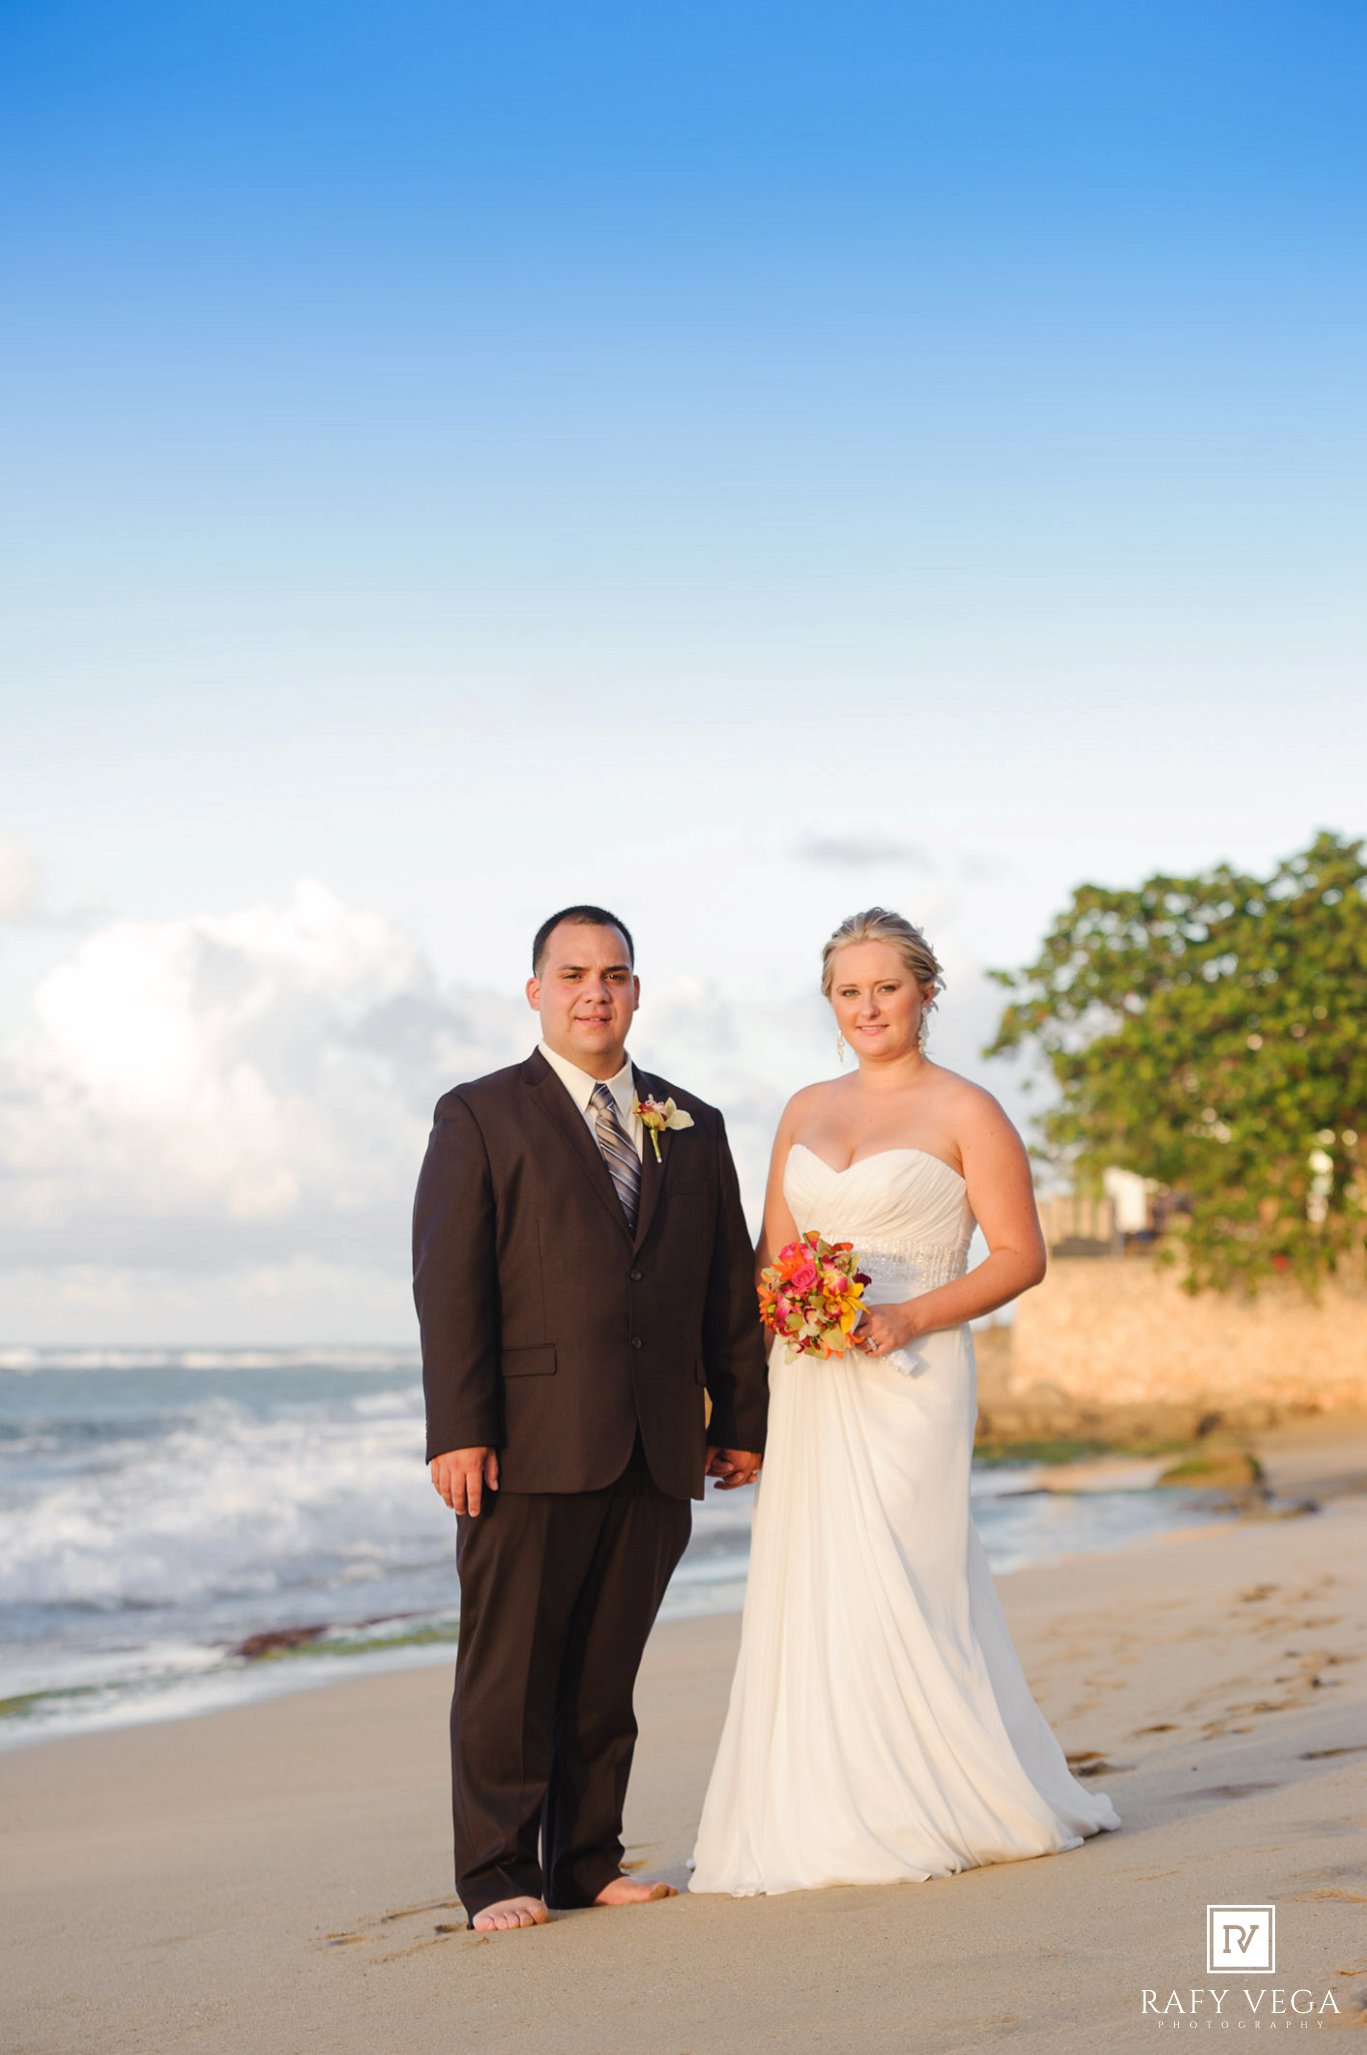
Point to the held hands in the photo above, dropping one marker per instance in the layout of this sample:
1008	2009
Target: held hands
732	1467
461	1475
882	1329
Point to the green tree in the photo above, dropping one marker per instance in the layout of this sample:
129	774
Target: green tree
1209	1032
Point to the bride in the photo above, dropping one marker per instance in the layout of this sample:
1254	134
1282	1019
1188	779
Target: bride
880	1725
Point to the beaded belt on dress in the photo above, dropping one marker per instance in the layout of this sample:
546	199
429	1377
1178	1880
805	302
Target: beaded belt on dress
912	1267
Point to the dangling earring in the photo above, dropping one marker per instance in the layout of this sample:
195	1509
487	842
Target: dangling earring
840	1047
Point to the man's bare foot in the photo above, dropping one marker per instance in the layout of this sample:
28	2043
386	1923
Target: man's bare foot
511	1912
626	1891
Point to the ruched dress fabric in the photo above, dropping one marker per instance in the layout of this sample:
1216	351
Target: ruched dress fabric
880	1727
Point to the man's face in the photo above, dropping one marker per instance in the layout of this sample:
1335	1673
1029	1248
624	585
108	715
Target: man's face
586	994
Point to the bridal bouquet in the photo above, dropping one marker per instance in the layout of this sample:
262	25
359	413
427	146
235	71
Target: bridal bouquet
810	1296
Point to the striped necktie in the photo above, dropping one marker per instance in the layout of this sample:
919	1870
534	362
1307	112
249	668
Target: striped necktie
624	1165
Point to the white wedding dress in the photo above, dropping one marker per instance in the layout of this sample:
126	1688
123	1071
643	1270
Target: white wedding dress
880	1727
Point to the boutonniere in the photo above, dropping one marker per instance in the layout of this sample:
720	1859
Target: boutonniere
657	1114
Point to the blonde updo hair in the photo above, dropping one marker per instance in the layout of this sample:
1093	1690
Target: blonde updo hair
877	924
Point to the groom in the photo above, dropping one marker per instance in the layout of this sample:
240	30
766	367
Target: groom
575	1294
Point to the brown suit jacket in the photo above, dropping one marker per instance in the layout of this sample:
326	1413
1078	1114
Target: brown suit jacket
552	1333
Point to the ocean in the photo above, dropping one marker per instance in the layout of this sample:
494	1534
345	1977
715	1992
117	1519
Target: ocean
162	1509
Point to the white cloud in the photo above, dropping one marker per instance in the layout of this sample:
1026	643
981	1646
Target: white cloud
18	880
210	1127
26	899
232	1088
300	1300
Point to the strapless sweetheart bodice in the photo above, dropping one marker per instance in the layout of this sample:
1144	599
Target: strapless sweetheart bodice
906	1212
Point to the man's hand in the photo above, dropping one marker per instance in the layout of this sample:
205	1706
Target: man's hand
461	1475
732	1467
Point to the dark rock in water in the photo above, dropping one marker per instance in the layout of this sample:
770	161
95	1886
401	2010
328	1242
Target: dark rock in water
1263	1505
1230	1469
278	1641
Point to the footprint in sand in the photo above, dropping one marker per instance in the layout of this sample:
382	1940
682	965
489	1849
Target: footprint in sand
440	1928
1231	1790
1090	1762
415	1911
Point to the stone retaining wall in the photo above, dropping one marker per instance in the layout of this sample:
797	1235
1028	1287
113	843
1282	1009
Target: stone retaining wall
1120	1331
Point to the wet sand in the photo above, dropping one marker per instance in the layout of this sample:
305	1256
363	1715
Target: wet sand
275	1878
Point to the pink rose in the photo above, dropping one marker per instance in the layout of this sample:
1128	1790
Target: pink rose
803	1279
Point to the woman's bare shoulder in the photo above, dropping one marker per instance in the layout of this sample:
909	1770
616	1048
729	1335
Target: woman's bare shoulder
808	1097
803	1108
972	1106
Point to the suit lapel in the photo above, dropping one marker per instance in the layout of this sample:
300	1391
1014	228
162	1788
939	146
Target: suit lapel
652	1172
555	1104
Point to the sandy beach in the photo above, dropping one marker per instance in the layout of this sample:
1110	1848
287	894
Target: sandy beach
276	1878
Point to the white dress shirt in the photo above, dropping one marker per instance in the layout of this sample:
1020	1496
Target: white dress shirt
580	1087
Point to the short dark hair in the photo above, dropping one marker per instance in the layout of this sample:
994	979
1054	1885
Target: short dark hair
586	916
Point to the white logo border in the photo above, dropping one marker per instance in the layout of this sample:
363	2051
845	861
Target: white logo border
1228	1968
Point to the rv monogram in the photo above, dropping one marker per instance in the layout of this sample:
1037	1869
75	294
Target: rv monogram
1242	1938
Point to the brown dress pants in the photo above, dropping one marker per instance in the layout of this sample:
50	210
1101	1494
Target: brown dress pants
558	1593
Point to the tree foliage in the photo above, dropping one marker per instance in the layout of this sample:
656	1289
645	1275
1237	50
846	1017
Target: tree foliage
1209	1032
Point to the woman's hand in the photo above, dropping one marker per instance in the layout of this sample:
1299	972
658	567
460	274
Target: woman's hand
882	1329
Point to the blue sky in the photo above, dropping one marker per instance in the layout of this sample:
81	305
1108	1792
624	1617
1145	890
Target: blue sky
738	462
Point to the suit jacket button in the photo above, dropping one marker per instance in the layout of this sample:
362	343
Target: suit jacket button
636	1341
636	1277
